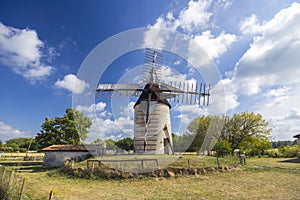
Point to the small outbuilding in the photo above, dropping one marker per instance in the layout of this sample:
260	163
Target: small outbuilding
55	155
298	138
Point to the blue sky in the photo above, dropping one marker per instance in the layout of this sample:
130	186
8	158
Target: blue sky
255	45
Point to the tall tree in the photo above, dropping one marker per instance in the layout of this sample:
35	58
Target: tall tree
110	144
200	127
246	131
245	128
69	129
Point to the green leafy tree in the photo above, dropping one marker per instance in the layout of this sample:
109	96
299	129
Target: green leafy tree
247	131
181	143
244	128
198	129
99	142
110	144
24	143
125	143
222	147
256	146
69	129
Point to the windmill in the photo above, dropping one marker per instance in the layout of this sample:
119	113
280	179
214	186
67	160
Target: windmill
152	126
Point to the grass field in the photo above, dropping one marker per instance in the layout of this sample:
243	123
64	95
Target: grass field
262	178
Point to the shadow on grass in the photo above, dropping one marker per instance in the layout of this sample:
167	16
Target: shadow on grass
293	160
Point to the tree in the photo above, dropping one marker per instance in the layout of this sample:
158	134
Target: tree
256	146
197	129
200	127
246	131
222	147
69	129
125	143
99	142
244	128
24	143
110	144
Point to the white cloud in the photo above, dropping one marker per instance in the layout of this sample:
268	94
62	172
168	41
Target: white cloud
293	114
250	25
276	97
7	132
192	20
169	75
128	110
266	76
224	97
104	124
186	113
214	46
72	83
92	110
272	58
21	50
195	16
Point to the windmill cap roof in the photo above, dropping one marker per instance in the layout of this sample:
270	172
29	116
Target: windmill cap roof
149	88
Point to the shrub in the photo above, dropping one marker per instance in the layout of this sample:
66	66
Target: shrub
290	151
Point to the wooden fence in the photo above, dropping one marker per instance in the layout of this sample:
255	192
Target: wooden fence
13	186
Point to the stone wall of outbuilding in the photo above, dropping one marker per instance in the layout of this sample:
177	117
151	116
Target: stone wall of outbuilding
57	158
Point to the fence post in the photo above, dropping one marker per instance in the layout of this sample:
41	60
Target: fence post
243	159
142	163
3	176
93	166
156	164
189	165
11	178
52	194
218	161
22	189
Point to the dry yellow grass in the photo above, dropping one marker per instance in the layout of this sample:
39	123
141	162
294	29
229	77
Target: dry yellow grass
251	183
230	185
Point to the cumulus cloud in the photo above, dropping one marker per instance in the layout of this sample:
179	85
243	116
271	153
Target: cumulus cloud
22	51
266	76
250	25
72	83
224	97
104	124
169	76
195	16
214	46
186	113
192	20
7	132
273	56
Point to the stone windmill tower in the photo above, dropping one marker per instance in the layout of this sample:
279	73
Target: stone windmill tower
152	126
